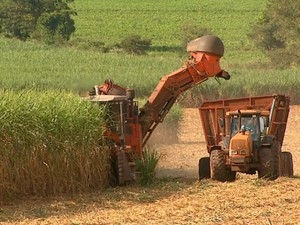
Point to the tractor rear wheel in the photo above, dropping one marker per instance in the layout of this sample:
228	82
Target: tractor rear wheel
204	168
218	168
287	169
268	164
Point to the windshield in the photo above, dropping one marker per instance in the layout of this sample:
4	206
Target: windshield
248	124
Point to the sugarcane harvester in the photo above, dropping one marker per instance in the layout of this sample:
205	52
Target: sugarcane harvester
133	126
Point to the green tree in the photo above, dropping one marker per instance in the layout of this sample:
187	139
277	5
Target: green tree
55	26
277	32
48	20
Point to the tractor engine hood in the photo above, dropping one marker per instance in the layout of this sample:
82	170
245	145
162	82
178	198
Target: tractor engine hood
241	144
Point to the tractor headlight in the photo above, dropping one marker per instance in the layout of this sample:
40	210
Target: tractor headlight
243	152
233	152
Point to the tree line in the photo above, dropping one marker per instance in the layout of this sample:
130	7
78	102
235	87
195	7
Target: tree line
45	20
275	32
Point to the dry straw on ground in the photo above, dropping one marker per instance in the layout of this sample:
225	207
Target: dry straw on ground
180	200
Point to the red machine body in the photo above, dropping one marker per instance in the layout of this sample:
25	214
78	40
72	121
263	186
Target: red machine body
132	127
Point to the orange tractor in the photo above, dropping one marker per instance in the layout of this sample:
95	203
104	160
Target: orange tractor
245	135
130	127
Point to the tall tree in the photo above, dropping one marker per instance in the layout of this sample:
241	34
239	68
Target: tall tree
277	32
49	20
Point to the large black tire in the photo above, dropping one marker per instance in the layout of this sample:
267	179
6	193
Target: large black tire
218	169
287	167
204	168
268	163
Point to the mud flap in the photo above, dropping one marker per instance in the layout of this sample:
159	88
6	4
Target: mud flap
204	168
287	169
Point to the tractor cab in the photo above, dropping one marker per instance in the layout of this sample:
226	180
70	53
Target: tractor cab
242	121
245	129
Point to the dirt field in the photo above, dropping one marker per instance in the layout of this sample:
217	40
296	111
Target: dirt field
180	199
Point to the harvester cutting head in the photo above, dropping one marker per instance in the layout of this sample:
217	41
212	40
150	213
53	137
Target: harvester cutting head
208	43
